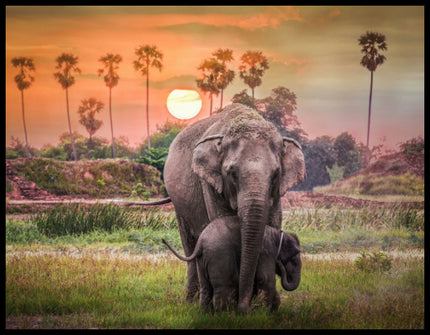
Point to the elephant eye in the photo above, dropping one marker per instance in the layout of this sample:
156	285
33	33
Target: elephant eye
274	183
232	173
275	177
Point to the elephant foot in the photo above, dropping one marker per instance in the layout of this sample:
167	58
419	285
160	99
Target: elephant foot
243	308
192	297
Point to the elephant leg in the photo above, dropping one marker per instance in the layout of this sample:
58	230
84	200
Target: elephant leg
271	295
225	297
206	289
273	301
189	244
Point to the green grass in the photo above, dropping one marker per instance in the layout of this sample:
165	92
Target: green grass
143	293
108	277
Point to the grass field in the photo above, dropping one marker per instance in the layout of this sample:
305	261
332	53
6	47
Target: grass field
122	277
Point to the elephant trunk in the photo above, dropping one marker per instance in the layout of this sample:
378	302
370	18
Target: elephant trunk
291	275
253	216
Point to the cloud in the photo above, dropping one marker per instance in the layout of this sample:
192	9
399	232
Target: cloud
260	17
184	81
271	17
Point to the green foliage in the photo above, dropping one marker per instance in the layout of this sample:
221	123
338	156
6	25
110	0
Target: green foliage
76	219
18	232
370	217
335	173
374	262
9	187
405	184
48	175
94	178
279	108
413	146
11	154
17	149
49	151
244	99
348	153
141	191
155	157
318	154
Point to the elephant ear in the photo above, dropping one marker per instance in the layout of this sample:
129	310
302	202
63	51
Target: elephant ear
206	161
293	165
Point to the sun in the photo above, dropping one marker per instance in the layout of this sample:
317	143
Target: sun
184	104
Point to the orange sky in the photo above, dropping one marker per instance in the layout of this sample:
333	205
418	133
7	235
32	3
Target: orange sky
313	51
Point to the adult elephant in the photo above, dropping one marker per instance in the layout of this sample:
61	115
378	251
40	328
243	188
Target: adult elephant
233	163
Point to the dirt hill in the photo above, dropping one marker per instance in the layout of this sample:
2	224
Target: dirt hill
394	174
48	179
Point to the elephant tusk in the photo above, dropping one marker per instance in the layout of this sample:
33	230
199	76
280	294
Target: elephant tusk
280	244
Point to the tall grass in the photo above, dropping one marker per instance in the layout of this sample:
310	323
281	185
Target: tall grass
370	217
76	219
60	291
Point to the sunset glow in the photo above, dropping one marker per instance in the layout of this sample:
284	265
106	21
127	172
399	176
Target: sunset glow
184	104
311	50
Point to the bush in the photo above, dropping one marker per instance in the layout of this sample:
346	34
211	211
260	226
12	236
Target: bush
335	173
21	232
376	261
413	146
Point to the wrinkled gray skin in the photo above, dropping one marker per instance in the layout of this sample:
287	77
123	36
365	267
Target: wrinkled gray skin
233	163
218	259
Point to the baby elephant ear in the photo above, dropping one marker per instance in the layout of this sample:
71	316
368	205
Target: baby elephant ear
293	165
206	161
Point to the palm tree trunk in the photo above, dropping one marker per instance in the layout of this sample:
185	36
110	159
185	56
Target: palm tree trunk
23	121
70	126
252	93
147	104
366	161
111	124
90	146
222	93
210	111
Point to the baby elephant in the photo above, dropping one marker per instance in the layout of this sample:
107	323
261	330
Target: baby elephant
218	259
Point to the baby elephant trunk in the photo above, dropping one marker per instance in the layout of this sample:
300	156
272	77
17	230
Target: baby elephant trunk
291	274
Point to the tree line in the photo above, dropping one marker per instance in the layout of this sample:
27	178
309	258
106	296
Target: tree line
215	77
327	157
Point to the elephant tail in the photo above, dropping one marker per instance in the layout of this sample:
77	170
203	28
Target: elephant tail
190	258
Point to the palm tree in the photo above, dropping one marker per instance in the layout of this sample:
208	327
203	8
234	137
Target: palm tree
111	78
66	64
226	76
87	111
254	63
147	56
371	43
23	81
211	71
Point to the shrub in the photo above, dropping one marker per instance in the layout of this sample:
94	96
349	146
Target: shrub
413	146
376	261
21	232
141	191
335	173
